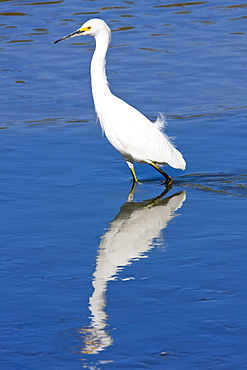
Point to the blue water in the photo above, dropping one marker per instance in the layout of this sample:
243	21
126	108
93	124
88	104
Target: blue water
91	278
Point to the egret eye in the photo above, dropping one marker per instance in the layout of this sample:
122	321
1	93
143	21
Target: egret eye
85	29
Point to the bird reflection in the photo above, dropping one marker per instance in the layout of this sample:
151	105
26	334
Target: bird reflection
135	230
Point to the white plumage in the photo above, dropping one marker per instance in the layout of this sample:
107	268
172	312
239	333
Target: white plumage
128	130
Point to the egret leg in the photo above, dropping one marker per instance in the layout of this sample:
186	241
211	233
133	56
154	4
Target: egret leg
168	178
132	170
131	193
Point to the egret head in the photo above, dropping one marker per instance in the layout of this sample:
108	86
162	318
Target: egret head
93	27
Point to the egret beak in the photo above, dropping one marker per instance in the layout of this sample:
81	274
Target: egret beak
73	34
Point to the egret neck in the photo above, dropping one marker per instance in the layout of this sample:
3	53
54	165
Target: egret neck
100	87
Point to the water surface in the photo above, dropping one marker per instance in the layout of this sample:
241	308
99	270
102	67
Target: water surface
91	276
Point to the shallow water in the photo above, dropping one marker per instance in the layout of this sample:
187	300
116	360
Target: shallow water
91	278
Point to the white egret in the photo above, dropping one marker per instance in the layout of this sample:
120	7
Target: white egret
129	131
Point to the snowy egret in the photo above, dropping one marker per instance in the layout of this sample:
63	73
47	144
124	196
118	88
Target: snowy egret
129	131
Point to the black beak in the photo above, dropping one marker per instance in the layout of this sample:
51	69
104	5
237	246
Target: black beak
73	34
